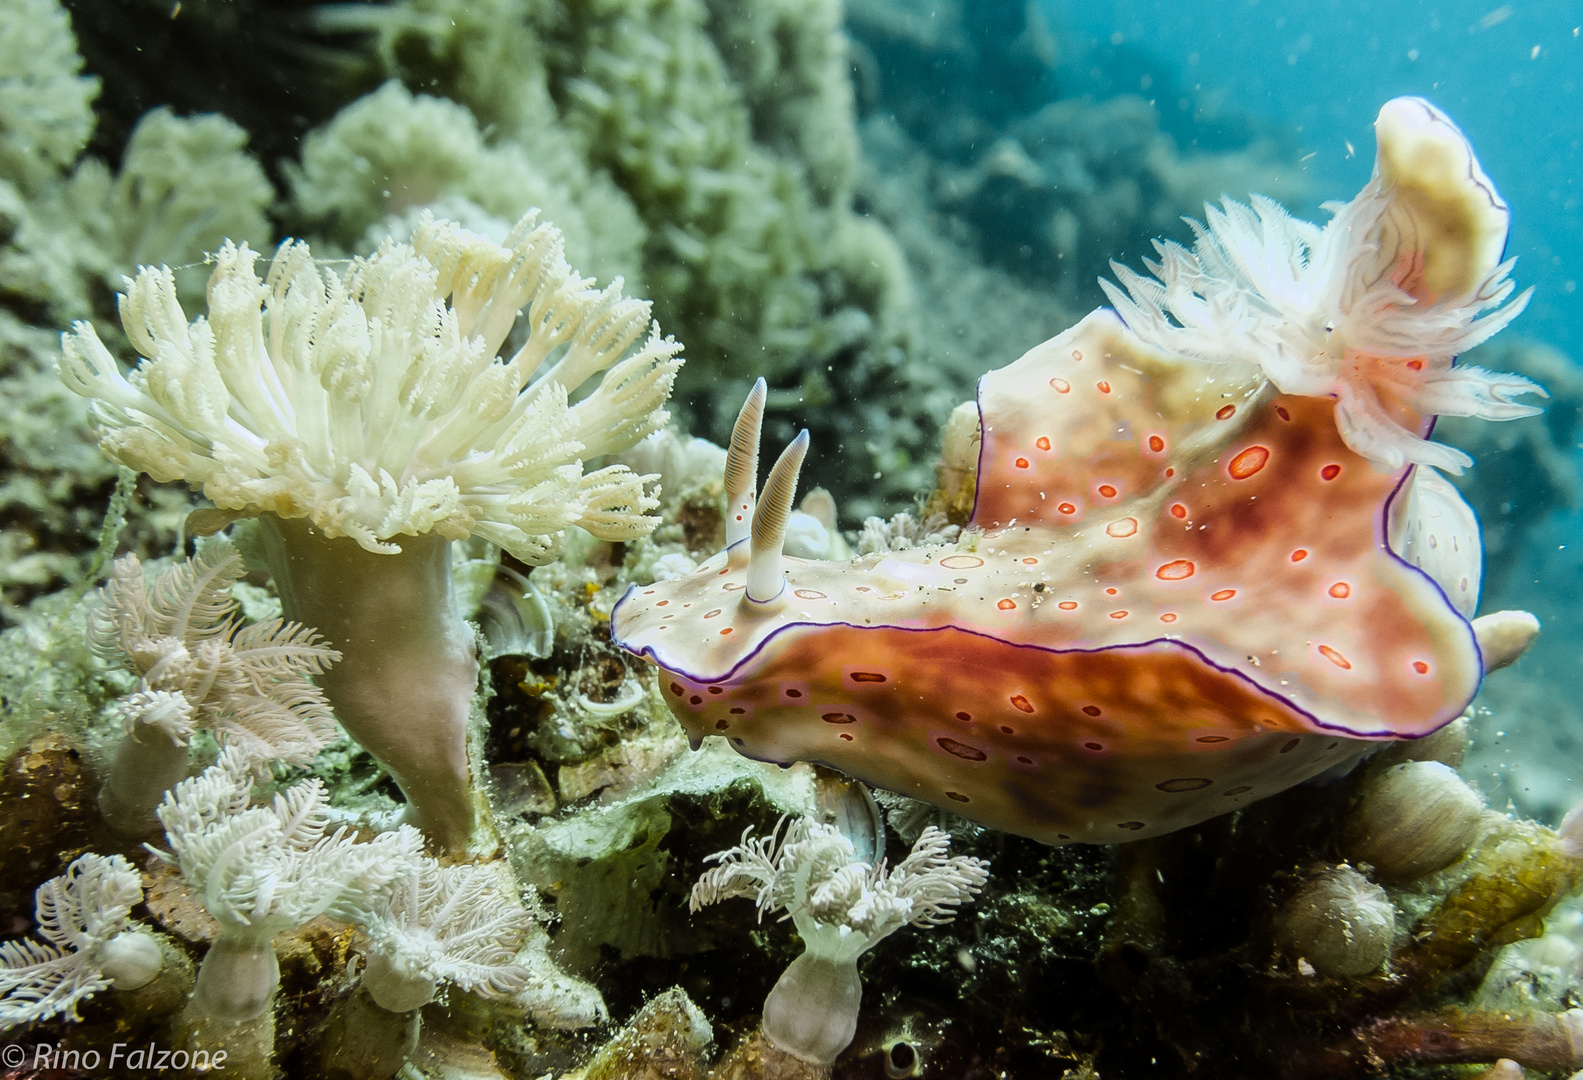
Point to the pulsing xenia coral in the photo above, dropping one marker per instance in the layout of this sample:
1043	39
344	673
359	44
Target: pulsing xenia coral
446	924
1371	309
368	419
842	908
260	870
82	917
199	667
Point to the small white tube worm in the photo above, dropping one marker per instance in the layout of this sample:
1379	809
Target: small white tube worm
742	468
765	581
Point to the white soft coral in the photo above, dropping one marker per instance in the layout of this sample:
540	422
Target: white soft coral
199	667
1372	309
82	917
436	924
842	908
260	870
373	402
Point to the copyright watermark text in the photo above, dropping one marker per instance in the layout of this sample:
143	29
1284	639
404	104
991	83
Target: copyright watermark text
150	1058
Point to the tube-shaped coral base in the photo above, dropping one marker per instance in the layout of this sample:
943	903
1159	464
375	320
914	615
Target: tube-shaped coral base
236	981
811	1012
404	685
147	764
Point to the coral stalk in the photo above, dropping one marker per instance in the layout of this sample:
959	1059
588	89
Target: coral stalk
405	684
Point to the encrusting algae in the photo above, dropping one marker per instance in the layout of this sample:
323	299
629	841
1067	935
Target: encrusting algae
1185	557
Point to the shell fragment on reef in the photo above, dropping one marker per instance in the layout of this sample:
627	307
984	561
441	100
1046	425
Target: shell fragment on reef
1179	602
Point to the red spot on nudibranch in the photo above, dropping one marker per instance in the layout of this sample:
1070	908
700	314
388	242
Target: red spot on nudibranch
1280	410
1170	473
867	676
1030	561
1007	604
1300	554
1108	491
1226	412
808	594
1093	746
1042	442
1341	590
1067	605
966	718
1007	731
1077	354
1292	745
961	749
839	718
1123	528
1415	364
695	700
1119	614
1212	739
1156	444
961	562
1020	702
845	736
957	796
1330	472
711	614
1061	386
1168	617
1112	591
1091	710
1104	387
793	692
1067	508
1223	594
676	689
1022	463
1176	570
1184	783
1248	462
661	603
1335	658
726	629
1420	667
1178	510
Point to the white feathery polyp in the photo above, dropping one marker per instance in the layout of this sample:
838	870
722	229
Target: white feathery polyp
373	401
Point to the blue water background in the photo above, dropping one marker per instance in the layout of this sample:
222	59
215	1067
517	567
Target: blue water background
1511	75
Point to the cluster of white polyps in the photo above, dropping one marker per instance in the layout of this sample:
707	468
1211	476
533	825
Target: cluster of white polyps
82	917
842	908
369	417
199	667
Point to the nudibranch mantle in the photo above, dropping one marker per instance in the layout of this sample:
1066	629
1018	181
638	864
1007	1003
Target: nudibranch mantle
1179	594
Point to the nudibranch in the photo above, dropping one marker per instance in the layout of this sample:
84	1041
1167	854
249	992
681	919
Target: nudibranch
1183	587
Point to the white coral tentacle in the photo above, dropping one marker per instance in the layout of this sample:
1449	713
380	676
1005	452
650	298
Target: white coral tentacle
842	907
260	870
436	925
199	667
82	917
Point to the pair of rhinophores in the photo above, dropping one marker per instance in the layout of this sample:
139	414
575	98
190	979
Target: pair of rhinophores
1210	555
